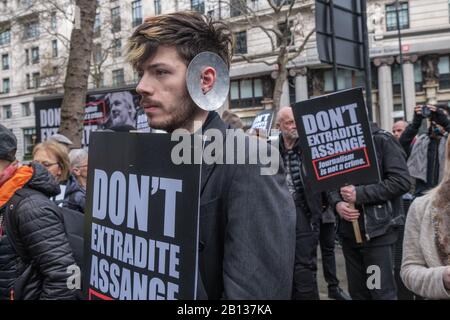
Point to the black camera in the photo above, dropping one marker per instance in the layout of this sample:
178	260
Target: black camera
426	112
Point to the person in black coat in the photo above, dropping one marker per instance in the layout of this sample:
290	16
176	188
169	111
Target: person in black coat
378	210
40	271
426	151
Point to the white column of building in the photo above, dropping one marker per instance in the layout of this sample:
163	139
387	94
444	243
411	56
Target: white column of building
285	101
386	99
410	86
301	85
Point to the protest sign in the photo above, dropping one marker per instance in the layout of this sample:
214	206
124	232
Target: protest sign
141	228
336	141
263	121
48	118
103	110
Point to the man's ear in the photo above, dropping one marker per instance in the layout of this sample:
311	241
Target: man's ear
76	172
208	79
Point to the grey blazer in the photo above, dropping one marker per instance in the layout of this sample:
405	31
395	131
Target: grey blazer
247	231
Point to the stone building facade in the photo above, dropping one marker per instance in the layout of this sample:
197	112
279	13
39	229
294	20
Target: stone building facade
31	65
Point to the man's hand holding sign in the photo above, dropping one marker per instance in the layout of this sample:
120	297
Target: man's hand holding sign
348	211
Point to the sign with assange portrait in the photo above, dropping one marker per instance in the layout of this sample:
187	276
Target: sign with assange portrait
116	109
141	225
336	141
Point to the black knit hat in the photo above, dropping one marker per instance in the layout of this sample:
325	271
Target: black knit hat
8	144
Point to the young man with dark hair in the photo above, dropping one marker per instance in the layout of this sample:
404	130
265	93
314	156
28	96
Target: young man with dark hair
247	220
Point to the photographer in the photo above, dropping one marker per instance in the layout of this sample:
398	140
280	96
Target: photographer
426	155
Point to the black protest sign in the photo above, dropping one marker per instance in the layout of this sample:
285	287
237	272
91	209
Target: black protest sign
336	140
263	121
48	118
103	110
142	121
141	229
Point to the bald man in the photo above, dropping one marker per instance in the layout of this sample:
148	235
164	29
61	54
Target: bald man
398	128
309	211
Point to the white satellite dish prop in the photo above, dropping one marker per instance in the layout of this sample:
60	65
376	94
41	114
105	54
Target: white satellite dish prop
216	97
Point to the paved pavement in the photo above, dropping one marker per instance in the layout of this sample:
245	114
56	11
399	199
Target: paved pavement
340	266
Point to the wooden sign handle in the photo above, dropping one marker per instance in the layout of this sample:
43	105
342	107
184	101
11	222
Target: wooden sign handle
356	229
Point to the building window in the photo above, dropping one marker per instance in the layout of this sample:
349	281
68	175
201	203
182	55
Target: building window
54	48
198	5
97	53
136	12
157	7
246	93
6	85
345	80
136	77
5	61
5	37
26	109
36	80
53	21
391	16
291	83
97	24
115	19
117	48
283	2
241	42
28	81
396	79
26	3
444	72
7	112
27	57
418	78
118	77
31	30
98	80
35	55
288	33
29	139
238	7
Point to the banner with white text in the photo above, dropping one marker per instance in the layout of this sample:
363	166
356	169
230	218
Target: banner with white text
336	140
141	230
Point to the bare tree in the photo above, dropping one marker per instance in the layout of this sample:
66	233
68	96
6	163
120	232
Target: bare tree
76	81
280	21
107	42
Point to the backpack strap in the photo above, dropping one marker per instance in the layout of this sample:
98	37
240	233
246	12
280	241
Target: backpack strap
10	220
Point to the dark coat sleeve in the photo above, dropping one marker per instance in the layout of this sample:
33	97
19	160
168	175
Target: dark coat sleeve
410	132
44	239
394	174
260	236
334	197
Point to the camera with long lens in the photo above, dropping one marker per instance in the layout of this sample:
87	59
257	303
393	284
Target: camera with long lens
426	112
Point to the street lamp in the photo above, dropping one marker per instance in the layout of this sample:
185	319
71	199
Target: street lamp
397	8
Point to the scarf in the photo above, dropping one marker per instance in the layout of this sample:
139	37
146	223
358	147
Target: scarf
418	159
8	173
441	222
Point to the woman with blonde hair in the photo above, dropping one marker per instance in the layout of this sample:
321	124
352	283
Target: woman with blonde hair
54	157
426	246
